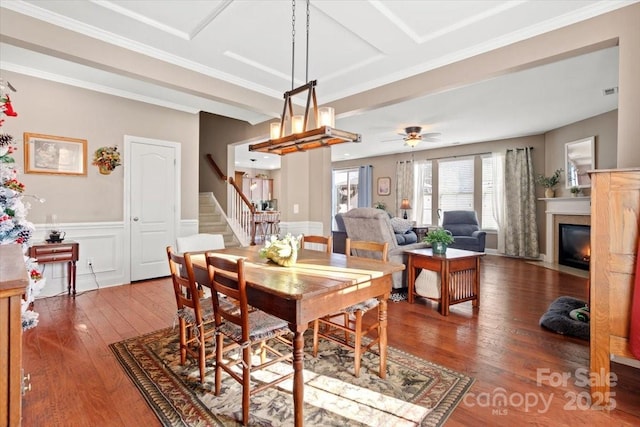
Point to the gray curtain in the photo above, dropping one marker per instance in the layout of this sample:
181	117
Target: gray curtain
365	186
520	223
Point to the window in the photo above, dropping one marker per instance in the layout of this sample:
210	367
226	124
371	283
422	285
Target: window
345	190
455	184
456	188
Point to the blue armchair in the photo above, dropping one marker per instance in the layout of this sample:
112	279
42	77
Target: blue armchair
465	228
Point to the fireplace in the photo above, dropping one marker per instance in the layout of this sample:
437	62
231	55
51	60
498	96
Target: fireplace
574	245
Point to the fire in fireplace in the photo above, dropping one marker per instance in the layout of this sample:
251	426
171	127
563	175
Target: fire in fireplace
574	245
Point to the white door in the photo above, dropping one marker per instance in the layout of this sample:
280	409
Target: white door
154	184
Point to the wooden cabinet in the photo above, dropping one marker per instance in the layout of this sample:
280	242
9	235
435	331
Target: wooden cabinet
615	215
13	283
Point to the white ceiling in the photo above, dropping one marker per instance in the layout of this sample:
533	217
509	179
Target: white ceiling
242	49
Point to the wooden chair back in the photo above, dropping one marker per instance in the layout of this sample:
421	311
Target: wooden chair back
226	277
185	286
367	249
318	240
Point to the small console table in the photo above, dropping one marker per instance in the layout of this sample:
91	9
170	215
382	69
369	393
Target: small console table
49	253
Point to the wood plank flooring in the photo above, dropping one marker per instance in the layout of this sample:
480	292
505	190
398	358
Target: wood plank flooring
77	382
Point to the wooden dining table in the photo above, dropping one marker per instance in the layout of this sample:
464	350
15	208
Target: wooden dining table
319	284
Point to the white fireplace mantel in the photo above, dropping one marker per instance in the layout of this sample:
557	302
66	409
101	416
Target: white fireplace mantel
562	206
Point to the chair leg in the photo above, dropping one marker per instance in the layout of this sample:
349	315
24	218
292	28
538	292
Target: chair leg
246	384
346	325
201	353
316	330
219	348
357	348
183	342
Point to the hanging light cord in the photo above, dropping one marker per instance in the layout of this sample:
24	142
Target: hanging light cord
293	40
306	76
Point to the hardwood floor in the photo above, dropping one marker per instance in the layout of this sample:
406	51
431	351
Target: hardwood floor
77	382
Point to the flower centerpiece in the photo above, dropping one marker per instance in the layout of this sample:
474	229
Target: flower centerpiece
439	239
549	182
106	158
281	251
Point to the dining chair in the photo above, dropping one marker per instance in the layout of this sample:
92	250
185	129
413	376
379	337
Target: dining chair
313	241
349	320
195	315
239	327
199	242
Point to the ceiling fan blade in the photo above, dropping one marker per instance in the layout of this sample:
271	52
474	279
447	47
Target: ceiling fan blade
431	135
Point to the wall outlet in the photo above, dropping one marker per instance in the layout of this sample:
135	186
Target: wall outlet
89	262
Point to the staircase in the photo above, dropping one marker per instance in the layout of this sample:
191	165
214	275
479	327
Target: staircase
212	220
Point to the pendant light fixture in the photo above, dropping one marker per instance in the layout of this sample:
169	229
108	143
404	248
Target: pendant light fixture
300	139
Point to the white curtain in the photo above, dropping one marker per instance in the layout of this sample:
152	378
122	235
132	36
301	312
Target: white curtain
521	226
418	194
499	197
365	186
404	186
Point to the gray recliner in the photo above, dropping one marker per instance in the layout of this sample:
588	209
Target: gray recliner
465	228
374	225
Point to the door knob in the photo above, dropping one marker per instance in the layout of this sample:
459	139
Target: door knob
135	218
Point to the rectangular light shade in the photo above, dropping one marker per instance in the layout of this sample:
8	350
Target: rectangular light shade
297	124
326	117
274	130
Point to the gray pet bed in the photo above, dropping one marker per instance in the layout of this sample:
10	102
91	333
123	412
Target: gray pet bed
557	318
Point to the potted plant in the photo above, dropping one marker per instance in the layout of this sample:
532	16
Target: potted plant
575	191
549	182
439	239
380	205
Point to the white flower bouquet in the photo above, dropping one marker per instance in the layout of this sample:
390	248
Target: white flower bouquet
281	251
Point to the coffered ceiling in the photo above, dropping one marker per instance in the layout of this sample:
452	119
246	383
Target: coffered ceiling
233	58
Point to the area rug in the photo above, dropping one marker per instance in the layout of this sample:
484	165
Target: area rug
415	393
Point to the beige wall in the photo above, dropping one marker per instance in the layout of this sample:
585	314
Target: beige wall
605	129
57	109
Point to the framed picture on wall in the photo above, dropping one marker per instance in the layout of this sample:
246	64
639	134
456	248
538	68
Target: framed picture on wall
384	186
49	154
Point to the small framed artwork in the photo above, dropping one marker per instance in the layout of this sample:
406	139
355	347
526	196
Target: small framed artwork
49	154
384	186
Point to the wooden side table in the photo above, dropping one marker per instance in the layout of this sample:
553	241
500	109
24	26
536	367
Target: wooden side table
421	231
459	272
50	253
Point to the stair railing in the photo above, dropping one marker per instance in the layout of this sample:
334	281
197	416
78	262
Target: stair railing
241	211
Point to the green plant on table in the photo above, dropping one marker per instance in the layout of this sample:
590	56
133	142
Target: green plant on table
439	235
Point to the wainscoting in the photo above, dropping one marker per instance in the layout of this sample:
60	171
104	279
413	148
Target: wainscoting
106	244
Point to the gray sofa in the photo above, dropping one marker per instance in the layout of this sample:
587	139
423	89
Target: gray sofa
375	225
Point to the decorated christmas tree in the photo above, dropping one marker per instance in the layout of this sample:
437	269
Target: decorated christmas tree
14	227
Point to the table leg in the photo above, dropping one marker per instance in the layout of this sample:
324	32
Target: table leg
382	331
444	292
69	278
298	378
476	284
411	279
73	277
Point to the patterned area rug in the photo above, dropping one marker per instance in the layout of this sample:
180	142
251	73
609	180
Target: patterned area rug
415	393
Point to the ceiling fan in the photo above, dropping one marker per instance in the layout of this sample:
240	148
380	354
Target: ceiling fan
413	135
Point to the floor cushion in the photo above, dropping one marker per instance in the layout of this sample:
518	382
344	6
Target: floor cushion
558	317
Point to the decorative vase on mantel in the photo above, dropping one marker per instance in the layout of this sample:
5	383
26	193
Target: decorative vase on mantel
549	193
